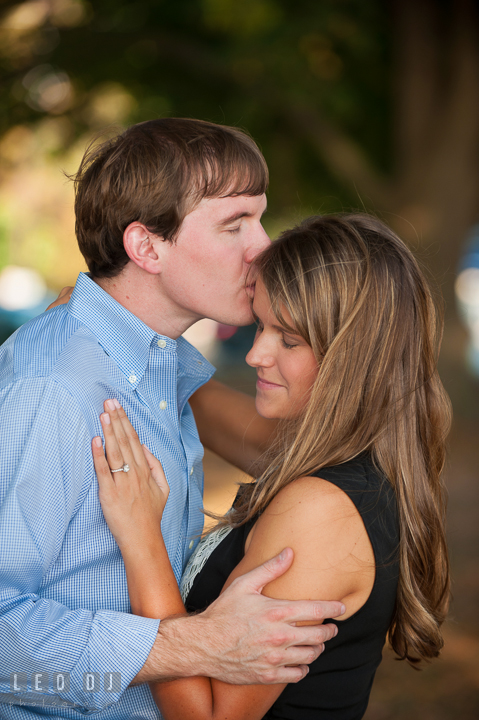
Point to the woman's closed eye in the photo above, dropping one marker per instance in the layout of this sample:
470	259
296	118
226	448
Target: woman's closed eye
288	344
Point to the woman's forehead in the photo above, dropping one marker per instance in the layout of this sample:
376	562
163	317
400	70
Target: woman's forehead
262	309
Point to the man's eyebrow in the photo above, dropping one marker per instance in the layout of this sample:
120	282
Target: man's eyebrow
237	216
233	218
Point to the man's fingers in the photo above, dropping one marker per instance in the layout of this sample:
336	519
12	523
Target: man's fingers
311	610
296	655
299	610
255	580
313	635
285	674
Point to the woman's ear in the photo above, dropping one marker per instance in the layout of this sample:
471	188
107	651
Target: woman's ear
142	247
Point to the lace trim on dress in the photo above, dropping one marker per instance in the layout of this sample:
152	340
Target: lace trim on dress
198	560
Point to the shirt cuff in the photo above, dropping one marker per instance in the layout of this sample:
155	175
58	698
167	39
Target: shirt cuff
117	649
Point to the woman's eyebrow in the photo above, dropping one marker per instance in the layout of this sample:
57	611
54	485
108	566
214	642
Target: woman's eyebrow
281	328
284	329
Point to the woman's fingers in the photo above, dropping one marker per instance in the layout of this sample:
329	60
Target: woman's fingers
64	297
117	449
156	470
123	446
130	433
132	502
102	469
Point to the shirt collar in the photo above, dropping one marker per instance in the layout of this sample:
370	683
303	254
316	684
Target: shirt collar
126	338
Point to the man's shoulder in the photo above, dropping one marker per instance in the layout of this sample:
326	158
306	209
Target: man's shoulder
36	348
53	367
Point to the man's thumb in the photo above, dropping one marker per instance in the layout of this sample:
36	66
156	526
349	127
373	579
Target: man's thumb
256	579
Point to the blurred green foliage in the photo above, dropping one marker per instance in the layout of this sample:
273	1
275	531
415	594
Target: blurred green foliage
355	104
247	64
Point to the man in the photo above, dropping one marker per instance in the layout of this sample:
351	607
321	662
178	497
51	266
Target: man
168	218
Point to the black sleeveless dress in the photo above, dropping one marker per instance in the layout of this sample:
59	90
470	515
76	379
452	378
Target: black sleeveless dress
340	680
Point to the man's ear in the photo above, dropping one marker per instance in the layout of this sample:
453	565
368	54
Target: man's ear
142	247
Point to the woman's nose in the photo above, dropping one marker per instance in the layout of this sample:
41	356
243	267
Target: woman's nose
261	354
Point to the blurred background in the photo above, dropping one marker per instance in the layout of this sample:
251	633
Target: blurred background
356	105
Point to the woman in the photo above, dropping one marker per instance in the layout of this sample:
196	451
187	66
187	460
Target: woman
346	352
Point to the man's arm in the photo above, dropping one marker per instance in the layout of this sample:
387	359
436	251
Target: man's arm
243	637
229	425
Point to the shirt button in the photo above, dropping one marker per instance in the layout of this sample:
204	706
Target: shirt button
191	544
132	378
192	471
163	405
161	343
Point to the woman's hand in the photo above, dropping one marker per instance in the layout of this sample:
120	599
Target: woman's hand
63	298
134	498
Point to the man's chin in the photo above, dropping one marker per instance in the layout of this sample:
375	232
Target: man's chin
241	321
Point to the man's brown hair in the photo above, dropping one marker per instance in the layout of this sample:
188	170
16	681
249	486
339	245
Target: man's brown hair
156	173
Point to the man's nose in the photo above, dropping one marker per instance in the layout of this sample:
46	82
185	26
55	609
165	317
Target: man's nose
257	245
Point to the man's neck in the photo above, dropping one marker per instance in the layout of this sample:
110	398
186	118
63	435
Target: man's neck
140	293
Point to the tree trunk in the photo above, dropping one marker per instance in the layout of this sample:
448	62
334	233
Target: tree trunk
432	198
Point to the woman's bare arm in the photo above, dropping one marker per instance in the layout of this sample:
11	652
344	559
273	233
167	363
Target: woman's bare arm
229	425
333	558
132	508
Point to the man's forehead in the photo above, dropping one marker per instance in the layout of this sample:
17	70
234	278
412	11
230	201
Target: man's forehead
220	208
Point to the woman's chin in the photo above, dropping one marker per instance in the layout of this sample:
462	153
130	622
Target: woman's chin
267	410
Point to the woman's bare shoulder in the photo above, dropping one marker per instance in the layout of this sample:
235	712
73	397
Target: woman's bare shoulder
333	557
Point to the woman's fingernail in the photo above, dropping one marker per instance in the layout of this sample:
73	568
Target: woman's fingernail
110	404
105	418
117	404
97	442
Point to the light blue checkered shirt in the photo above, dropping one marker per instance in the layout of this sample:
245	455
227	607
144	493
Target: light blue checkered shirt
64	604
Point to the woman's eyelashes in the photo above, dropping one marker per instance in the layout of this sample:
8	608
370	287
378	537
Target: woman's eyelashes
286	342
287	345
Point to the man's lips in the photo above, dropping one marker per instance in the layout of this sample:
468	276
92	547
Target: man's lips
250	289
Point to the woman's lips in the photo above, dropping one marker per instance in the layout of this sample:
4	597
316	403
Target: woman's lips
266	384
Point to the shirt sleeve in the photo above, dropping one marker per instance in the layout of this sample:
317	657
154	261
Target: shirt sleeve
45	472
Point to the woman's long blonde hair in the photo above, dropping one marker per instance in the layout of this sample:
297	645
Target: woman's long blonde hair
356	294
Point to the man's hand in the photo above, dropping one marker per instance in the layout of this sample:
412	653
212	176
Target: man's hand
244	637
